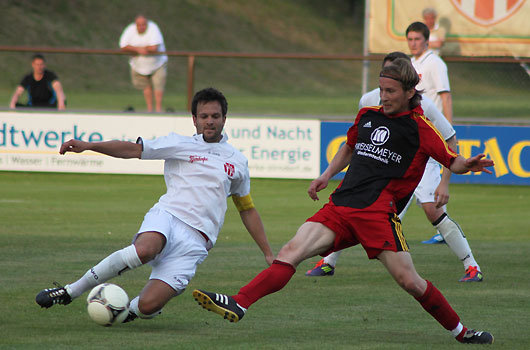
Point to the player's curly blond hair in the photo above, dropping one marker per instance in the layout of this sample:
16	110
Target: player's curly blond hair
402	70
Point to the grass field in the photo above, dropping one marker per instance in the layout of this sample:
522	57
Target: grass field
55	226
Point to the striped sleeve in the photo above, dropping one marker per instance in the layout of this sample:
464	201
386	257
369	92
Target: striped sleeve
433	143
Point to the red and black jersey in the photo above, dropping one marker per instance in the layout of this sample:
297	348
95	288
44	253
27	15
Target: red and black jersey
389	158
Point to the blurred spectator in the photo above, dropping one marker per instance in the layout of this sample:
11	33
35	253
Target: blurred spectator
148	72
43	87
437	37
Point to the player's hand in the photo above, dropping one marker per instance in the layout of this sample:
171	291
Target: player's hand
142	50
316	185
441	195
76	146
477	164
269	259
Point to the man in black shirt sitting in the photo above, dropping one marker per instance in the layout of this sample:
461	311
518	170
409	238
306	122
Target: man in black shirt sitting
42	85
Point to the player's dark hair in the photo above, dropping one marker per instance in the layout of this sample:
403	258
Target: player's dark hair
391	57
419	27
402	71
208	95
37	56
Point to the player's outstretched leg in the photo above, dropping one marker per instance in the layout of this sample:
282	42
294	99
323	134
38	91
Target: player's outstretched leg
51	296
221	304
112	266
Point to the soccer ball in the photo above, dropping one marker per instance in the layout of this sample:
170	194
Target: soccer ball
107	304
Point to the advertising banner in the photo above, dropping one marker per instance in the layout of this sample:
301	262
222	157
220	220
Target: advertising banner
31	141
508	147
275	148
472	27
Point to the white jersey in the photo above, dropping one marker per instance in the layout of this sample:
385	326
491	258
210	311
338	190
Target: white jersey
199	177
441	123
144	64
433	76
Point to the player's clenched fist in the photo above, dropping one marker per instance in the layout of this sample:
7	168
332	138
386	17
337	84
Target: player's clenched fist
76	146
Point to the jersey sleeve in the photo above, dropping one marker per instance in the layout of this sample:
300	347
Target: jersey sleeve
50	76
438	74
241	185
165	147
26	80
125	36
351	139
437	118
433	143
155	35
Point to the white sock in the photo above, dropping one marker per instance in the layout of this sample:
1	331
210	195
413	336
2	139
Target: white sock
133	307
332	258
112	266
455	332
457	242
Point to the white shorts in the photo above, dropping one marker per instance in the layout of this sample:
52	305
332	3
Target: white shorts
430	180
185	248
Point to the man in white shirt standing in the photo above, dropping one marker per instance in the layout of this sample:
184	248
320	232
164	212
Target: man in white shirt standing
431	69
200	172
148	71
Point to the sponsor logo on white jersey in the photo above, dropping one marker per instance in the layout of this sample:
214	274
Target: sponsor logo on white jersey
197	159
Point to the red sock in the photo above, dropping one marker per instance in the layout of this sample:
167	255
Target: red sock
268	281
434	303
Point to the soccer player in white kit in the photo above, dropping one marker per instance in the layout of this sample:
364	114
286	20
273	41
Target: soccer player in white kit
200	172
431	189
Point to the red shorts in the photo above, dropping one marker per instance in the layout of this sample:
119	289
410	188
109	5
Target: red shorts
374	230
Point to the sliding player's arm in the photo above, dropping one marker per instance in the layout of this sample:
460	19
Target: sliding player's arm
252	221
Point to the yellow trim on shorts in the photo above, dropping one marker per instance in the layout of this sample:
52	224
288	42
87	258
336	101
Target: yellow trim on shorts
399	233
243	203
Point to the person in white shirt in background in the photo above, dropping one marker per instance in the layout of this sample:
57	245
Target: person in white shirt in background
143	38
200	172
437	37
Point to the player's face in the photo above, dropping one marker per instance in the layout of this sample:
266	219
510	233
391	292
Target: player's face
209	121
141	24
38	66
393	98
417	43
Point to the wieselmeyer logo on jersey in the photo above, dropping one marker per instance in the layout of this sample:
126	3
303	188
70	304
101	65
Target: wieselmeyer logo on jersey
379	137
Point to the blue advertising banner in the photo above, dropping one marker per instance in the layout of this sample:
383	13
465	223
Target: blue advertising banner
507	146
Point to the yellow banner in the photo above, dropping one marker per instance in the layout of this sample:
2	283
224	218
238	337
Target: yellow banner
472	27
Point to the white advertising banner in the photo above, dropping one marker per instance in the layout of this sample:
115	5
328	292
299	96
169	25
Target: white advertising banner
275	148
31	141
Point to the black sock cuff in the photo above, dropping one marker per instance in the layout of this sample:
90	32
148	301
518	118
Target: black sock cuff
443	216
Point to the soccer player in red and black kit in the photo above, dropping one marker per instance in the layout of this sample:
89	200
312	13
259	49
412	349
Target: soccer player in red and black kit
387	149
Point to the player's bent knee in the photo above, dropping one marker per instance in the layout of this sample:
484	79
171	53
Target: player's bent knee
149	309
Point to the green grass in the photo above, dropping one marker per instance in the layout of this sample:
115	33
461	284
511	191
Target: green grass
55	226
